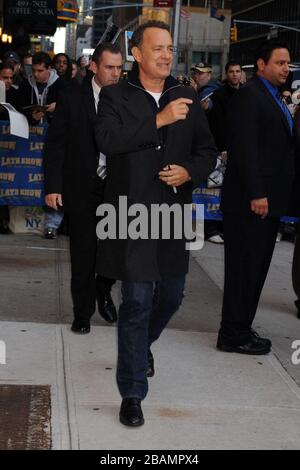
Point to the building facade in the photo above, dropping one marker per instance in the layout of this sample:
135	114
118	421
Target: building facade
203	37
100	18
285	12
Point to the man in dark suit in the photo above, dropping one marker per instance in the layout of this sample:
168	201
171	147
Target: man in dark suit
71	160
256	192
158	147
217	117
221	104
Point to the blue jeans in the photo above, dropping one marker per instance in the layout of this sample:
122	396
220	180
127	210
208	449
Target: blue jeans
53	218
145	310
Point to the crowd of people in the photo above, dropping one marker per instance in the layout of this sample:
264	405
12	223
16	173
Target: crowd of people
153	139
33	84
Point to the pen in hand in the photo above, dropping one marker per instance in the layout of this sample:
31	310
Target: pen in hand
158	175
174	187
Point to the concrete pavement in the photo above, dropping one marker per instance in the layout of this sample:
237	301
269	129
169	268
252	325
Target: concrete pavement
199	398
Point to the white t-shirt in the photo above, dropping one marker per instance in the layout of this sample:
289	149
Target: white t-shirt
156	96
96	91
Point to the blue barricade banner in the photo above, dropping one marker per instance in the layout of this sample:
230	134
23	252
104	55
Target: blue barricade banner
211	199
21	167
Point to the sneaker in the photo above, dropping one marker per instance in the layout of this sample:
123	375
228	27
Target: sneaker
216	239
50	233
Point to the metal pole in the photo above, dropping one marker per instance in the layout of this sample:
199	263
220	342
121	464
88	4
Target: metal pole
124	28
268	24
112	7
175	31
187	65
207	30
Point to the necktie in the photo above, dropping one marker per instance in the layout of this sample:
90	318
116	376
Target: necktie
101	171
285	110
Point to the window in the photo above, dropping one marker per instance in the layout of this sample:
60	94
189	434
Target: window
198	56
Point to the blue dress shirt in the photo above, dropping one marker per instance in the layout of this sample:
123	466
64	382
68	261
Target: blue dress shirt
273	90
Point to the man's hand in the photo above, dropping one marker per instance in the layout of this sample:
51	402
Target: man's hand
37	115
174	175
54	201
51	108
176	110
205	104
260	207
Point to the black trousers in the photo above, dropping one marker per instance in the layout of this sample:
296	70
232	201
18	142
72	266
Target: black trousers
249	243
85	285
4	213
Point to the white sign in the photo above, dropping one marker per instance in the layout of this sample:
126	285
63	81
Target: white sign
128	36
88	52
18	122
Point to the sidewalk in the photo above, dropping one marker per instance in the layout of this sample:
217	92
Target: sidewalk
199	398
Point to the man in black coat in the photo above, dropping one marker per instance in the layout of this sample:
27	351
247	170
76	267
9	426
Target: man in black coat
217	118
256	192
158	147
221	104
71	160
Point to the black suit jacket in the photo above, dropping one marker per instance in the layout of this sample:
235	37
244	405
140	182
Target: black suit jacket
261	157
71	155
136	151
217	117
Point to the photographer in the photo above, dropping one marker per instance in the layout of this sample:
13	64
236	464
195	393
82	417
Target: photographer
203	84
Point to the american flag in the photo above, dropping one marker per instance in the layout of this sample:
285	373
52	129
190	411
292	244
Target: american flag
186	15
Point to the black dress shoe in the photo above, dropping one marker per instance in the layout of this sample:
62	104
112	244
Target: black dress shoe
150	370
256	338
252	347
131	412
107	308
50	233
81	327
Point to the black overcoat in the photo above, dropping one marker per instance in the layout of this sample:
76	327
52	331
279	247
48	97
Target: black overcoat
71	155
136	151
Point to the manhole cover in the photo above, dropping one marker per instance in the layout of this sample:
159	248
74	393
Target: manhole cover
25	417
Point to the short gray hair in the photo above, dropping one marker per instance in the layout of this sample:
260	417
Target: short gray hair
137	37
